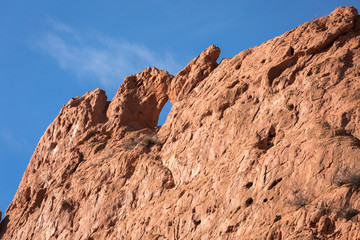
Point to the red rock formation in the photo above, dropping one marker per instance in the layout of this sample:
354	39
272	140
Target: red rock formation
196	71
140	99
265	145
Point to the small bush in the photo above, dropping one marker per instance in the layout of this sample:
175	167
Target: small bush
299	199
345	212
149	141
348	177
131	144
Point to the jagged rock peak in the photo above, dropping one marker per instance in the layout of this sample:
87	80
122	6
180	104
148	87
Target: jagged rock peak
140	99
197	70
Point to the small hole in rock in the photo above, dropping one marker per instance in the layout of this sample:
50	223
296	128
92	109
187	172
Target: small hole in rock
249	185
197	222
68	127
290	107
181	194
249	201
238	66
265	200
290	52
53	145
274	183
345	119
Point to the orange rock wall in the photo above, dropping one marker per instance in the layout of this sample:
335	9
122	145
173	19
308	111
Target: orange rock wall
265	145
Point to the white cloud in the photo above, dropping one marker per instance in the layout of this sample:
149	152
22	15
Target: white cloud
60	26
13	141
95	56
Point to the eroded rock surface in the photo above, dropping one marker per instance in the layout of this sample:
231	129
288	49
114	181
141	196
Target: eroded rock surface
140	99
265	145
196	71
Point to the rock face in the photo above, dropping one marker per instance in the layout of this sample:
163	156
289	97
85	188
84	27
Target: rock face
140	99
265	145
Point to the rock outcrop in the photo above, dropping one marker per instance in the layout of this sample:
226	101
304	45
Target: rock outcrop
140	99
265	145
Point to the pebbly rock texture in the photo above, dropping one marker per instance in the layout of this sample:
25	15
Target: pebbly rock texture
265	145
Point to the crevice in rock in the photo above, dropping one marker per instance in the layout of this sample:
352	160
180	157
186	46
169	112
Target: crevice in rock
326	225
277	70
248	202
67	206
40	196
196	220
168	180
3	226
291	51
277	218
27	194
232	228
53	145
68	127
249	185
80	160
100	147
274	183
345	119
266	139
231	85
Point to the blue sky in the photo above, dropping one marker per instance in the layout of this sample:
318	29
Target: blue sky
52	50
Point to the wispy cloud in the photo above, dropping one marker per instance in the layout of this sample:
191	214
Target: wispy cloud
96	56
13	141
59	26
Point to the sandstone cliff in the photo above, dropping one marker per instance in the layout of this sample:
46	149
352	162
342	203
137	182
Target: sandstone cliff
265	145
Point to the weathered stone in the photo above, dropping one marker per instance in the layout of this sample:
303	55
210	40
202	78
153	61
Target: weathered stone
265	145
196	71
140	99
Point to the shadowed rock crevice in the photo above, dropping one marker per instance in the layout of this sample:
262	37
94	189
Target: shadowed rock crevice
277	70
266	138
